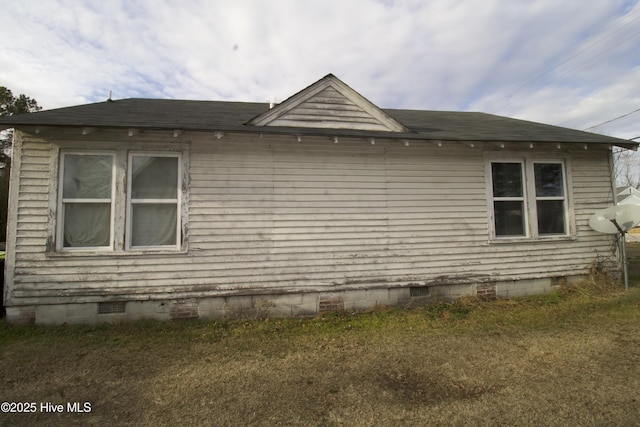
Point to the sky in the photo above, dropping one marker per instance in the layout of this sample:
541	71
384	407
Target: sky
570	63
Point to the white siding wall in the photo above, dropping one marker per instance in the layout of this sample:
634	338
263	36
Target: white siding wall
275	214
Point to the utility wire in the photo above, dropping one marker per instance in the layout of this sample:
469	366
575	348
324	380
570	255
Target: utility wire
613	120
580	51
562	73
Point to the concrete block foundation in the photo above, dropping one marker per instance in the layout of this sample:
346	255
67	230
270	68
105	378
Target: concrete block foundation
297	304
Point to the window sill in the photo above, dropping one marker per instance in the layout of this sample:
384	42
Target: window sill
531	240
116	254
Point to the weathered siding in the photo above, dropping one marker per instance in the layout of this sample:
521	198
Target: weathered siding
329	109
269	214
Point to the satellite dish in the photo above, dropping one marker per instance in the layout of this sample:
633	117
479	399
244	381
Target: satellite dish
629	191
630	200
614	220
625	216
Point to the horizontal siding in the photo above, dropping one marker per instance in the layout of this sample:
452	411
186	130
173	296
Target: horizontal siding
266	213
281	261
329	109
34	187
592	192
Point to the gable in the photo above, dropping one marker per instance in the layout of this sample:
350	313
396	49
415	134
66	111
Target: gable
329	103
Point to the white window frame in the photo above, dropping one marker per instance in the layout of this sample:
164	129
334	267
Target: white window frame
528	160
522	199
177	201
62	201
564	198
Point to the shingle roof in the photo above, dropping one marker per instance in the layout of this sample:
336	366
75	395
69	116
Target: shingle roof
146	113
233	116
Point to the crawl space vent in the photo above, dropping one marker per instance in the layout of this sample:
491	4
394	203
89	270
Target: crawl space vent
419	292
111	307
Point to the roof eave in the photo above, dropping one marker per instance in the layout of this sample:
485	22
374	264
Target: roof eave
630	145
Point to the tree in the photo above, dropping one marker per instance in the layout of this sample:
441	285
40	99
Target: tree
627	168
9	105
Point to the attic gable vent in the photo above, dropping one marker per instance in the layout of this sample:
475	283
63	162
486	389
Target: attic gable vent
329	104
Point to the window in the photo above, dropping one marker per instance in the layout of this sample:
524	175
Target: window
96	214
153	201
528	198
508	199
550	200
85	200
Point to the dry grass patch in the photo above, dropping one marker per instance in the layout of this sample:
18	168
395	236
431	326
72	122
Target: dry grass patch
567	358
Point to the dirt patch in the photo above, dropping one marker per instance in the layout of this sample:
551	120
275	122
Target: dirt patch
411	387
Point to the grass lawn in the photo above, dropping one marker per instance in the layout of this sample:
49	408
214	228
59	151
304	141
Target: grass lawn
571	358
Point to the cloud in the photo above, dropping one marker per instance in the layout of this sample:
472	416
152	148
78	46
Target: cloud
558	62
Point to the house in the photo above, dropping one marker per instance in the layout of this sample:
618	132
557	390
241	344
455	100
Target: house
166	209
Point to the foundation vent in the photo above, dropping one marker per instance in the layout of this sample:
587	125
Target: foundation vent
330	304
419	291
112	307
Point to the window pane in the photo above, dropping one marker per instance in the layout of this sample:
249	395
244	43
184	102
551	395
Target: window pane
153	224
86	224
549	180
154	177
87	177
551	217
507	179
509	218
